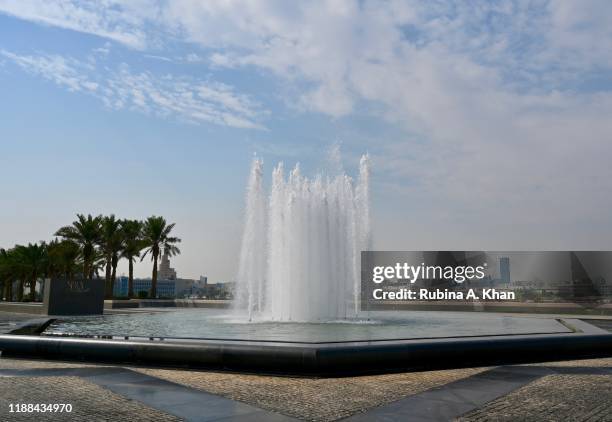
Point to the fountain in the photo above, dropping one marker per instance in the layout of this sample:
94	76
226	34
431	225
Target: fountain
301	245
299	266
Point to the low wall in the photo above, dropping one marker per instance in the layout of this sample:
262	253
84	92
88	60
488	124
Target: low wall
120	304
165	303
202	303
35	308
322	359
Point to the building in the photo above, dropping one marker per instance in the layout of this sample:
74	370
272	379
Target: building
504	269
184	287
223	290
165	288
165	272
121	287
176	288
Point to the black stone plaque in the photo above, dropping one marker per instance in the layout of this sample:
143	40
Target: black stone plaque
74	297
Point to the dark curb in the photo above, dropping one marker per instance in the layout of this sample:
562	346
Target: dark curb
320	359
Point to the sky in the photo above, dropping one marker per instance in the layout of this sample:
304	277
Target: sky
488	123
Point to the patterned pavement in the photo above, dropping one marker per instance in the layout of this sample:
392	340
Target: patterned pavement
552	398
314	399
572	390
89	401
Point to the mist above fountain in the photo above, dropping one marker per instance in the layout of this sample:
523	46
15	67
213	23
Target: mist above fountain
301	245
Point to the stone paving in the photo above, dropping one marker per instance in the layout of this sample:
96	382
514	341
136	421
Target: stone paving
89	401
9	363
10	320
568	396
584	393
596	363
552	398
605	324
318	399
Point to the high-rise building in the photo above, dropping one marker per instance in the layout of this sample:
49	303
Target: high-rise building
165	272
504	269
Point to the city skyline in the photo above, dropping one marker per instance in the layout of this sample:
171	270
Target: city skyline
487	124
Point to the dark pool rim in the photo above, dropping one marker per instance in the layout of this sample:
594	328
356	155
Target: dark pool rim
567	328
321	359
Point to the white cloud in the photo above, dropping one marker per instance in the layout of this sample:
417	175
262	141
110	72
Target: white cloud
193	58
522	46
494	89
169	95
192	100
492	94
65	72
116	20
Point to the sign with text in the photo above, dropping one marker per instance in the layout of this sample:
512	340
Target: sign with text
74	296
473	276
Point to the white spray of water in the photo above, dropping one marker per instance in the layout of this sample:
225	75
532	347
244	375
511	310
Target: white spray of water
253	251
300	252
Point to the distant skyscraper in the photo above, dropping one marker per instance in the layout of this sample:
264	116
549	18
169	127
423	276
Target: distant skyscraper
504	269
165	272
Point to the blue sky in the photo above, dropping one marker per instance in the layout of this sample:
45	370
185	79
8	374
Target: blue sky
488	123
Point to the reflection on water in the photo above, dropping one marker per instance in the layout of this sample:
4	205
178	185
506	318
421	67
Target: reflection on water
222	324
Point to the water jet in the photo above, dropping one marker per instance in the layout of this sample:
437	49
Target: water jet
299	258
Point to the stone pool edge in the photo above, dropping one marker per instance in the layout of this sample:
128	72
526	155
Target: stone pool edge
322	359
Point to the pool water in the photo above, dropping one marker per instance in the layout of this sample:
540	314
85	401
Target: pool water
223	324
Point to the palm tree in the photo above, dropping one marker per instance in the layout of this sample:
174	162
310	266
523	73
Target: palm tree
19	269
32	261
63	258
9	268
37	262
156	235
85	231
111	243
7	272
99	263
132	245
4	273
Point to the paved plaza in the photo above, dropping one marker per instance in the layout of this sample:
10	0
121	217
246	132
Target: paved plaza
10	321
571	390
579	390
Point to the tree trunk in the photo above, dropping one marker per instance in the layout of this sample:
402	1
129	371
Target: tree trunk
20	290
87	265
131	278
109	291
9	290
33	288
114	263
154	278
